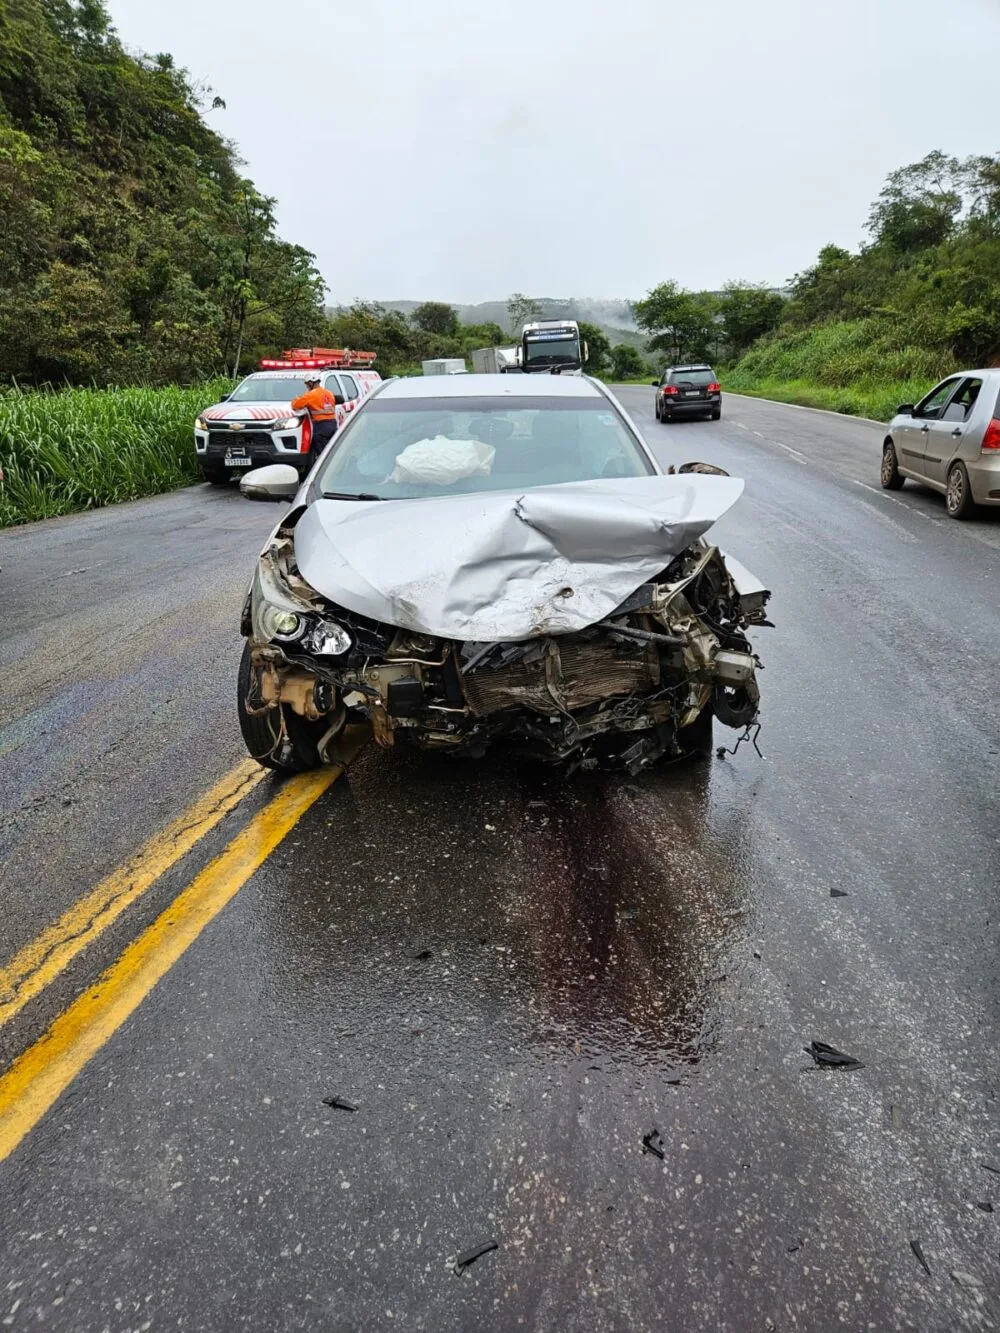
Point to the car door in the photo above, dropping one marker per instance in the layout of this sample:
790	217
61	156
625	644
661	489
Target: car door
944	436
911	437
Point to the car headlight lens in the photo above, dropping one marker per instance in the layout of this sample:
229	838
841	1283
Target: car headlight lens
279	624
199	424
286	423
329	639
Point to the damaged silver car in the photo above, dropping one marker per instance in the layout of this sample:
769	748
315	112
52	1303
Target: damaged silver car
485	559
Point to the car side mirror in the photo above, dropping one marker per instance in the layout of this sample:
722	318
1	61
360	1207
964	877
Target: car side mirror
905	410
277	481
655	383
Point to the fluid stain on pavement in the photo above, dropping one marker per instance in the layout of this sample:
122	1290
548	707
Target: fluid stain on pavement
582	920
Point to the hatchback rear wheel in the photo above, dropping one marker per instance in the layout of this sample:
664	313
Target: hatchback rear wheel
958	497
890	474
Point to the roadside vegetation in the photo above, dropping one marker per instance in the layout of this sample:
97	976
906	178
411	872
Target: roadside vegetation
82	448
863	331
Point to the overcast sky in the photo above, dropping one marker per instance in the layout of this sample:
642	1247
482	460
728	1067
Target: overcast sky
464	149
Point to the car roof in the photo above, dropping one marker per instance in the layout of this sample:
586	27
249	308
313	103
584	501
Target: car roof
492	386
698	365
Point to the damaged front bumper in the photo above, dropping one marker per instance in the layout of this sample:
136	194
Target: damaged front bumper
634	687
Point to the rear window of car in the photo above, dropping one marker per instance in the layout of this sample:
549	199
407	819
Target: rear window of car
460	445
706	376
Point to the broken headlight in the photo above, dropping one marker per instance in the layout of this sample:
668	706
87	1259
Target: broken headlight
327	639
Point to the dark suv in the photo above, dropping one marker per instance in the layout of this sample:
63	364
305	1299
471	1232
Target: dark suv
688	391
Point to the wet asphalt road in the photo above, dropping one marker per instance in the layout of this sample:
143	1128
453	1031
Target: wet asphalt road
516	978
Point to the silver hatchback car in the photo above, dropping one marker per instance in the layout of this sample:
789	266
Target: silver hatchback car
950	440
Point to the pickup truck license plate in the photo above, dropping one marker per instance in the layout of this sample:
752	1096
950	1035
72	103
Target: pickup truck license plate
237	460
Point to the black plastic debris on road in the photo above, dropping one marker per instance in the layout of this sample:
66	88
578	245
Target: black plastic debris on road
653	1143
339	1104
985	1206
423	955
467	1257
994	1170
839	893
915	1247
830	1057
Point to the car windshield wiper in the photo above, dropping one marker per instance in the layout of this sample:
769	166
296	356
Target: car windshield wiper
346	495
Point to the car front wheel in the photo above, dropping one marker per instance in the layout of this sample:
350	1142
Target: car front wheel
958	497
890	474
215	476
276	737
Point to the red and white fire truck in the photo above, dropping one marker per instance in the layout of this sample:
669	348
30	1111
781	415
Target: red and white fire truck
256	425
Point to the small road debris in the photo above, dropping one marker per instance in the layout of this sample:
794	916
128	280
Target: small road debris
994	1170
467	1257
915	1247
824	1054
339	1104
423	955
839	893
653	1143
985	1206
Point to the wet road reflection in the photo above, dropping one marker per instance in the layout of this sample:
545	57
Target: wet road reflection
585	921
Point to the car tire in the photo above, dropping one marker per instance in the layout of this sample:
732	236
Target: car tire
958	499
890	475
717	415
695	740
215	476
656	407
262	731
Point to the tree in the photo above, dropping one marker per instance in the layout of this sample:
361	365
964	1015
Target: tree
680	323
521	310
626	363
436	317
748	311
919	204
821	291
598	348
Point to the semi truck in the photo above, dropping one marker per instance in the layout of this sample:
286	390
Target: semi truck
552	347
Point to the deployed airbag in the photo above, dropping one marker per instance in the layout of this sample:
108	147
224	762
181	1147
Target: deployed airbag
442	462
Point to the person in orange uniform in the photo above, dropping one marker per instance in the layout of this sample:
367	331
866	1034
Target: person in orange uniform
322	409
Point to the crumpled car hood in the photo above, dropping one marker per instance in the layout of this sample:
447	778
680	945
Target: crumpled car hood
505	565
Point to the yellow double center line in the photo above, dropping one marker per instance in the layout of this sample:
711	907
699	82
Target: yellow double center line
41	1073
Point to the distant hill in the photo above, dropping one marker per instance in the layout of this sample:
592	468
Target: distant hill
613	317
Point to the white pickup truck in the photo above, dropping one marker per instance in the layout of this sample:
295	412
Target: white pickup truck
255	425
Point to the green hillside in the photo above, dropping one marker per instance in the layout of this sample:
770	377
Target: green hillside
133	247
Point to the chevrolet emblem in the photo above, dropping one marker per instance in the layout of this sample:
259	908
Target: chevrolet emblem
236	425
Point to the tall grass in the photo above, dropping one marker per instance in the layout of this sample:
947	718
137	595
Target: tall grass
863	367
70	449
